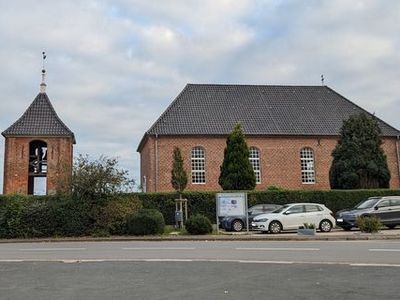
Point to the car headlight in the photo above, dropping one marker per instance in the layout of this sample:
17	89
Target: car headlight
261	220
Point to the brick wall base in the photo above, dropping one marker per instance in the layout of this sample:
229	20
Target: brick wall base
16	161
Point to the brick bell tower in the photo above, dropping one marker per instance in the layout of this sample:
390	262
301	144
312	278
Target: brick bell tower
38	149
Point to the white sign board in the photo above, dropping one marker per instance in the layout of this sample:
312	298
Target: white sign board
39	186
231	204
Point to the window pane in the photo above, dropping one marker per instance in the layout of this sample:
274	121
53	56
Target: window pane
254	157
198	165
307	165
312	208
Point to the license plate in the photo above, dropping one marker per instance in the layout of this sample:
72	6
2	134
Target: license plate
339	220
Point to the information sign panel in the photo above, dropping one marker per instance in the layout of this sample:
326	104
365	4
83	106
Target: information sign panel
231	204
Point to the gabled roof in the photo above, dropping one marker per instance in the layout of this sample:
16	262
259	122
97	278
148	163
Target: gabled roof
40	119
214	109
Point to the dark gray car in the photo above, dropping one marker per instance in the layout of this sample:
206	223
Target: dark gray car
387	209
238	223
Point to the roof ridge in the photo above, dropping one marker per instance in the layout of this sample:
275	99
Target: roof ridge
55	114
364	110
255	85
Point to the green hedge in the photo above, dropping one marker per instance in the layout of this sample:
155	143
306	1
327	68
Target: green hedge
146	222
198	224
29	216
204	202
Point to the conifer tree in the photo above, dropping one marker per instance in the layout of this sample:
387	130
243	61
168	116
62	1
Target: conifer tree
178	173
358	159
236	170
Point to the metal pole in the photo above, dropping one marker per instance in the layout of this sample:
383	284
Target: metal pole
246	212
181	211
217	202
176	209
186	215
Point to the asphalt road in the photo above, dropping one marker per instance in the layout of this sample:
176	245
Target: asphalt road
201	270
323	252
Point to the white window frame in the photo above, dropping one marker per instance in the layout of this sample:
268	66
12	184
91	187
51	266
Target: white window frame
255	160
198	165
307	163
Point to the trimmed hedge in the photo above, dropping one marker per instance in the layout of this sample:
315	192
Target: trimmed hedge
44	216
29	216
204	202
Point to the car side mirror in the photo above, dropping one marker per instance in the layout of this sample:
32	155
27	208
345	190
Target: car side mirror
376	207
286	213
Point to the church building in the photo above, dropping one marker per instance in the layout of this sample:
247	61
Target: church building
38	150
291	132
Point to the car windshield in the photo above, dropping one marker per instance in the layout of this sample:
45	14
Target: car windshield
255	209
367	203
280	209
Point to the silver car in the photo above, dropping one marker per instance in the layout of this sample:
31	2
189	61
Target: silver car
292	216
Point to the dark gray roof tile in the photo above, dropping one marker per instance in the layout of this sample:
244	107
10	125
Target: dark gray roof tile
40	119
214	109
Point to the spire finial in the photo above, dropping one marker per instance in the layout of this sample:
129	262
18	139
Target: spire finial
43	84
322	80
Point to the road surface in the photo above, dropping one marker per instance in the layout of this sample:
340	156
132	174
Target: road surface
201	270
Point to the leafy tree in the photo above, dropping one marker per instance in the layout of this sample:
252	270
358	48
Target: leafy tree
236	171
94	179
178	173
358	159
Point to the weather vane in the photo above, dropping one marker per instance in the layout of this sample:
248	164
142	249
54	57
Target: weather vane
43	84
43	59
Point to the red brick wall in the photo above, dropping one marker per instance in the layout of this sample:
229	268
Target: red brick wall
16	160
280	161
147	166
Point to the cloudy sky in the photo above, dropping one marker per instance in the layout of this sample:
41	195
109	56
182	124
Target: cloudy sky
114	66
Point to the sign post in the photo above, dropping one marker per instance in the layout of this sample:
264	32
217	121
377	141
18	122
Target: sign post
231	204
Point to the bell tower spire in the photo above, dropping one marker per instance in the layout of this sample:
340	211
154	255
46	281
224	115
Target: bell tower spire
43	83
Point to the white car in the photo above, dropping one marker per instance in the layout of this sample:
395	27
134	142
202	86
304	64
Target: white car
292	216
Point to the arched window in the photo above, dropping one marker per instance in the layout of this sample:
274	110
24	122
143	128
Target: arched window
198	165
255	162
37	181
307	165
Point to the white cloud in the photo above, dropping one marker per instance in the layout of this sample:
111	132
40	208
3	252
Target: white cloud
114	66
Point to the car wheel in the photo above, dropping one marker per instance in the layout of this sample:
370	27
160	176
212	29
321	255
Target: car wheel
346	228
325	226
391	226
237	225
275	227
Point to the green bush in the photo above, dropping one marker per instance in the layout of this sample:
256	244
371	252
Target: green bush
198	224
369	224
28	216
275	188
71	217
12	209
145	222
112	217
